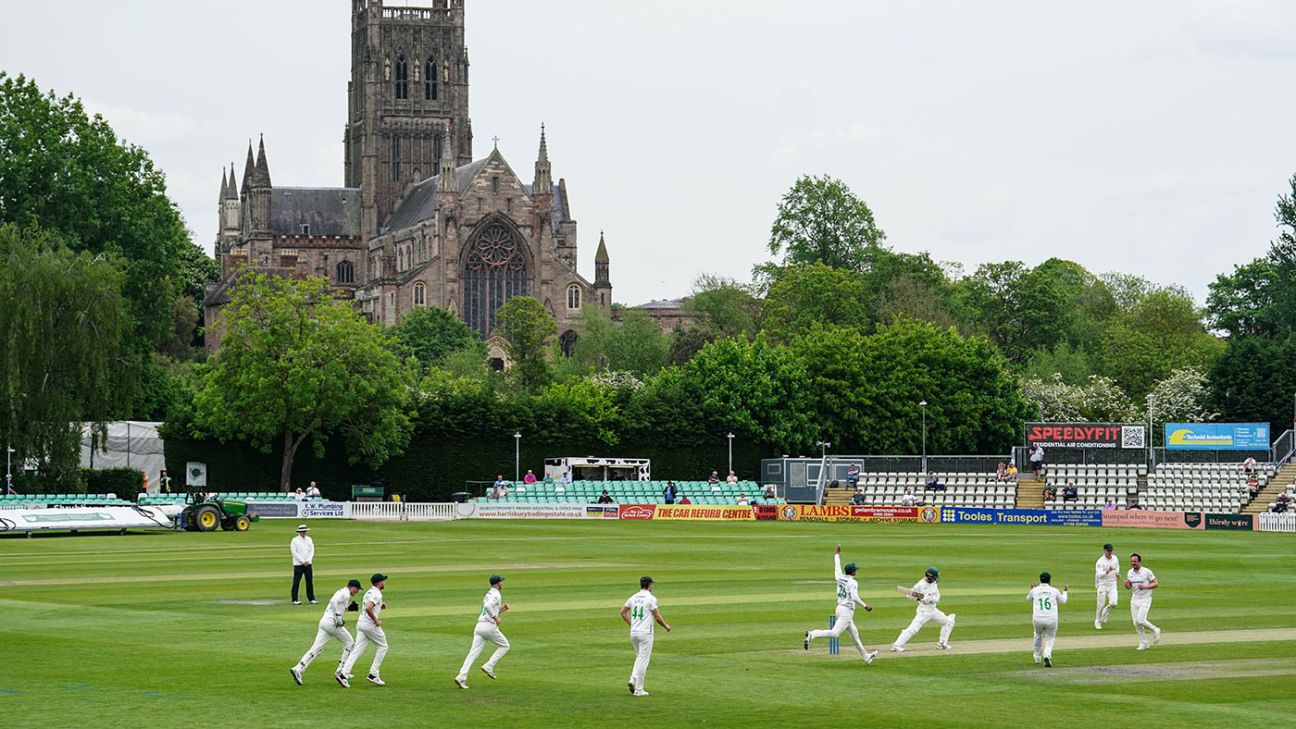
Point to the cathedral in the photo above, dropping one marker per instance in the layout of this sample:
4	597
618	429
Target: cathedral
419	222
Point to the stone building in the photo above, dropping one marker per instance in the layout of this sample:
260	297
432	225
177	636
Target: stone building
419	222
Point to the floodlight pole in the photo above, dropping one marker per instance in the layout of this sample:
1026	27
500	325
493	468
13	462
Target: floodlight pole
924	435
730	437
9	451
517	457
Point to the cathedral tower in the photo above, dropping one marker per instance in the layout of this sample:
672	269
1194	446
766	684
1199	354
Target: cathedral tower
409	84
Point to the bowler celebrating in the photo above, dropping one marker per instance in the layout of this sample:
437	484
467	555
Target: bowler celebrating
332	625
639	612
1142	582
1106	572
847	598
487	629
927	595
368	630
1044	599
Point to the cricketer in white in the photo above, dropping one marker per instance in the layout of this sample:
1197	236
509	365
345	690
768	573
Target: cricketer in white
1045	599
640	612
927	595
368	630
331	625
1141	582
847	598
1106	573
487	629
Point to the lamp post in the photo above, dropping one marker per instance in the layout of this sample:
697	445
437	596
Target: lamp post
517	457
924	435
8	468
730	437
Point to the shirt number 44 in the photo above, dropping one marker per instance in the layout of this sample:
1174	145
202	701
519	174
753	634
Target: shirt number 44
637	612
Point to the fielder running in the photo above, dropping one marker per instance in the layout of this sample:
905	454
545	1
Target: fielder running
368	630
1045	599
1142	582
847	597
927	595
639	612
332	625
1106	572
487	629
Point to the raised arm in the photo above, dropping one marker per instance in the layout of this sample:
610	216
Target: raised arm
837	570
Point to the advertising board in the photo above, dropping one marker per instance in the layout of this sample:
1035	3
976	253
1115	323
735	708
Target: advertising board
602	511
1217	436
326	510
1087	435
1237	522
274	509
874	514
1060	517
1142	519
703	513
637	512
530	511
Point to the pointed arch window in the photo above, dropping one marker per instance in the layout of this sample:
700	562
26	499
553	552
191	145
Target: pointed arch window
495	270
420	294
345	272
430	80
402	78
573	297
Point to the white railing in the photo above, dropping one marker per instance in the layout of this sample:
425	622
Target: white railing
1276	522
401	511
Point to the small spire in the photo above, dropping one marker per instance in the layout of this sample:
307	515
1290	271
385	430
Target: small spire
446	177
249	167
601	255
544	146
232	193
224	193
542	183
262	174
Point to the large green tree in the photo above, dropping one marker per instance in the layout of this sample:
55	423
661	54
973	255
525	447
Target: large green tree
815	294
820	220
1259	298
296	365
527	329
635	344
62	328
1162	333
430	334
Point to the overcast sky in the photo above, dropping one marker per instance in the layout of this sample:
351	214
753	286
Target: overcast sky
1149	137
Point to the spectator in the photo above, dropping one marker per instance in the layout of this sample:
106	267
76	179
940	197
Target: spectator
909	499
1249	466
1001	472
529	478
731	478
605	499
685	500
1253	485
668	492
1011	474
1282	504
312	491
566	477
742	499
858	499
1050	492
1110	505
714	477
164	482
852	475
301	495
1069	492
1133	505
548	480
933	484
499	483
769	491
1037	459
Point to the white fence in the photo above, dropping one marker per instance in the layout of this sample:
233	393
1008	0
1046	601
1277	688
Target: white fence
401	511
1276	522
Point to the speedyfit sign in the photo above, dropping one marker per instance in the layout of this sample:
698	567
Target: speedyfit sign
1059	517
1086	435
1217	436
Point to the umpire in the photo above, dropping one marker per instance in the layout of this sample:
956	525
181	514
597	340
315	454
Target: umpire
303	554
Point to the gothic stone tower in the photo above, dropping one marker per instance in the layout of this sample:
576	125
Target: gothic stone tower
409	84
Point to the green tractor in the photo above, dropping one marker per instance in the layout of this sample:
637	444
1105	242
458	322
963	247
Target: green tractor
203	513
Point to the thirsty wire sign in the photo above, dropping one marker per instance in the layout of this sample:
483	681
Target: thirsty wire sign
1217	436
1087	435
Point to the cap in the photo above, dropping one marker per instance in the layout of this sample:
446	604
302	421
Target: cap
935	574
354	583
496	579
1046	577
850	568
303	528
645	581
1107	547
376	577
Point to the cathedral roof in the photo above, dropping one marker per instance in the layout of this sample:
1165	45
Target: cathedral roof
327	210
419	203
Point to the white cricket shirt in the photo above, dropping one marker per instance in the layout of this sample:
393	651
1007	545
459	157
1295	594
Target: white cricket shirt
1103	578
490	607
1044	602
1138	581
641	604
847	587
303	550
930	592
373	595
337	605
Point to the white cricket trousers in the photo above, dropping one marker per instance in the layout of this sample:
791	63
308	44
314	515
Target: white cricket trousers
366	633
945	621
845	623
1045	635
1139	611
482	633
642	643
1108	598
326	632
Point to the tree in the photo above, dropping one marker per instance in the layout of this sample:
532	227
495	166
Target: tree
1253	382
296	365
804	296
1180	398
62	328
820	220
723	308
1018	308
1163	332
64	171
635	344
1259	298
430	334
527	328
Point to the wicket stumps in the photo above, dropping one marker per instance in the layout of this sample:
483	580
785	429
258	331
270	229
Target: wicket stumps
834	644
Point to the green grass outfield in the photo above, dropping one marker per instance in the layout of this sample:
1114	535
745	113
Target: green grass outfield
170	630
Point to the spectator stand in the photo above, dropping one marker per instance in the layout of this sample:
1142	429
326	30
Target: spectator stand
633	492
962	488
